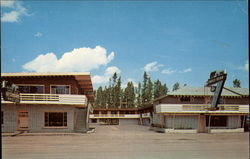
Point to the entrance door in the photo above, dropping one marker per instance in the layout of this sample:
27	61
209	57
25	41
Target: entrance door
23	119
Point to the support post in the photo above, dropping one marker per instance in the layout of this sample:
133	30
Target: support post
174	121
243	123
238	125
209	121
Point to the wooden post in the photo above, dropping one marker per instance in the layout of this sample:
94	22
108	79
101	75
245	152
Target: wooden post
87	116
141	119
209	120
173	121
199	125
244	118
238	125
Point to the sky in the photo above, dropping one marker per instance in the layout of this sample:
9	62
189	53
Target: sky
173	41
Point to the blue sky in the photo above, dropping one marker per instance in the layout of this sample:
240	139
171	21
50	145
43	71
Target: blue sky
181	41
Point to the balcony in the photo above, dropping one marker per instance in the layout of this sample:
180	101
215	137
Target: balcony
200	108
114	116
51	99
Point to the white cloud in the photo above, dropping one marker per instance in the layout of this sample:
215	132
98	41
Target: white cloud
9	3
14	15
109	72
245	67
38	35
152	67
78	60
168	71
186	70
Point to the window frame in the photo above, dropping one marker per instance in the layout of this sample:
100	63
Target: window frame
33	85
63	120
60	85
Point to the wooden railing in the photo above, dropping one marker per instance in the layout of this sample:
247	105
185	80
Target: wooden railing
52	99
200	108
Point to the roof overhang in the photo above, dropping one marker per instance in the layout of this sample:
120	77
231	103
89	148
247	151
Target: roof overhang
83	79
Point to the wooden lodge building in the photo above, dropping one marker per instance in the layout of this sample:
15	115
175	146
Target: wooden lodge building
49	102
122	116
186	110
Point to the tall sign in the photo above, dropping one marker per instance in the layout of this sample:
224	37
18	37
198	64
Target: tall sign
216	82
10	92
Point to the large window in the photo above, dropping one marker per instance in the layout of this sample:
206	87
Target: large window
31	89
60	89
55	119
216	121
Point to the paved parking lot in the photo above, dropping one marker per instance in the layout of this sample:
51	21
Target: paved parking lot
127	142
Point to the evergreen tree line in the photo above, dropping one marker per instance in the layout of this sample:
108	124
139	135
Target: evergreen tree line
114	96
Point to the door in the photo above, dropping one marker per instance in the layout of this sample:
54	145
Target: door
23	120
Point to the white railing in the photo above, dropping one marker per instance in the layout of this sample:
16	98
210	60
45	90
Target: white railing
26	98
200	108
114	116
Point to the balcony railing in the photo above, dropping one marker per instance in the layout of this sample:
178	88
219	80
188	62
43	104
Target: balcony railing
114	116
51	99
206	107
201	108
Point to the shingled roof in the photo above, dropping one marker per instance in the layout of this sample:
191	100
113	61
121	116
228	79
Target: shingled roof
205	91
201	91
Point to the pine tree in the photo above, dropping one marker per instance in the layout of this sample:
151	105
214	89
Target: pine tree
118	93
98	97
108	93
164	90
144	88
149	91
176	86
130	95
236	83
103	97
138	96
157	88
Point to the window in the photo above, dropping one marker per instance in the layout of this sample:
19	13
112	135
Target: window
185	99
217	121
31	89
60	89
93	120
55	119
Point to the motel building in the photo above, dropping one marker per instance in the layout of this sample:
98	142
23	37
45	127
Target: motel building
122	116
49	102
186	110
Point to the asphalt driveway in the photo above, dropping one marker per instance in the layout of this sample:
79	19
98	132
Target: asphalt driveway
127	142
